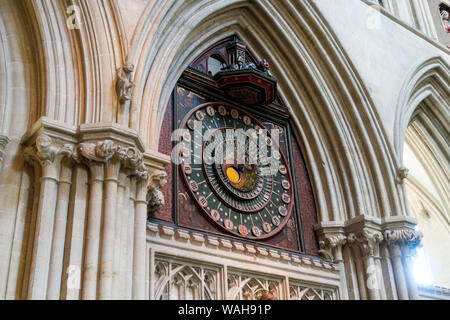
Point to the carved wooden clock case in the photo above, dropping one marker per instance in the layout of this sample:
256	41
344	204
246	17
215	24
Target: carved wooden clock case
236	200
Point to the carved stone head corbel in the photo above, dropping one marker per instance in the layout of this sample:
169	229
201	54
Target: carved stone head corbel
155	197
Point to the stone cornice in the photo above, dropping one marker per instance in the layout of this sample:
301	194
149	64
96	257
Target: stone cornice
110	131
51	128
364	221
156	160
216	244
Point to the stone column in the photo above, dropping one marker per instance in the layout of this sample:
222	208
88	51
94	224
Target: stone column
360	272
105	160
120	235
379	267
408	261
109	216
139	252
388	271
95	156
59	231
147	192
402	245
48	155
76	230
396	258
86	232
367	241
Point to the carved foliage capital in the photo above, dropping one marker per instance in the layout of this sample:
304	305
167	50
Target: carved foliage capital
101	151
328	243
367	240
409	237
45	151
130	158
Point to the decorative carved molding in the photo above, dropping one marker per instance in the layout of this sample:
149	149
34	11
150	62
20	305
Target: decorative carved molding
368	240
224	245
99	152
45	150
252	287
103	151
303	291
155	197
133	160
409	237
402	174
124	85
328	243
178	280
4	140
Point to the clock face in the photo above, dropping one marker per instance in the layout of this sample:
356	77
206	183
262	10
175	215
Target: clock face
236	173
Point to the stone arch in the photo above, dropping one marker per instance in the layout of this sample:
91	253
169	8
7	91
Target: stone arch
421	130
76	68
349	160
427	82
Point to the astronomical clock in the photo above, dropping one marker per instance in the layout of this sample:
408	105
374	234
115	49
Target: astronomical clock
238	170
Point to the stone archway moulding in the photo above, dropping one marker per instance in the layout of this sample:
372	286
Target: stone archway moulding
337	128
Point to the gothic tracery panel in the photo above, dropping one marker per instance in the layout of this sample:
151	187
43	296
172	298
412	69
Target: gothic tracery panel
252	287
176	280
299	291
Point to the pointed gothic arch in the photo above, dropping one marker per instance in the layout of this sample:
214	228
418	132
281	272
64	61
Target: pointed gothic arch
334	116
421	128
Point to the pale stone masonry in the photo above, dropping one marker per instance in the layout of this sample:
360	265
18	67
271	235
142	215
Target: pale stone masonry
81	110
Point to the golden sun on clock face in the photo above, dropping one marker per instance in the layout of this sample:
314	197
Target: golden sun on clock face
247	198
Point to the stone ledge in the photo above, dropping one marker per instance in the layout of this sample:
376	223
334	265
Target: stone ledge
236	247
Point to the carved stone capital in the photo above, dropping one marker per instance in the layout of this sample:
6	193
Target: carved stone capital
155	197
367	240
101	151
4	140
130	157
328	243
403	237
45	151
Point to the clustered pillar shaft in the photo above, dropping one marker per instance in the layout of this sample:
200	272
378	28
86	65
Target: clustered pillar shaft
377	267
59	231
94	215
87	235
399	273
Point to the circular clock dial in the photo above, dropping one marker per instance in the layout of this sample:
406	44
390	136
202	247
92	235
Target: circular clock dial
237	175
